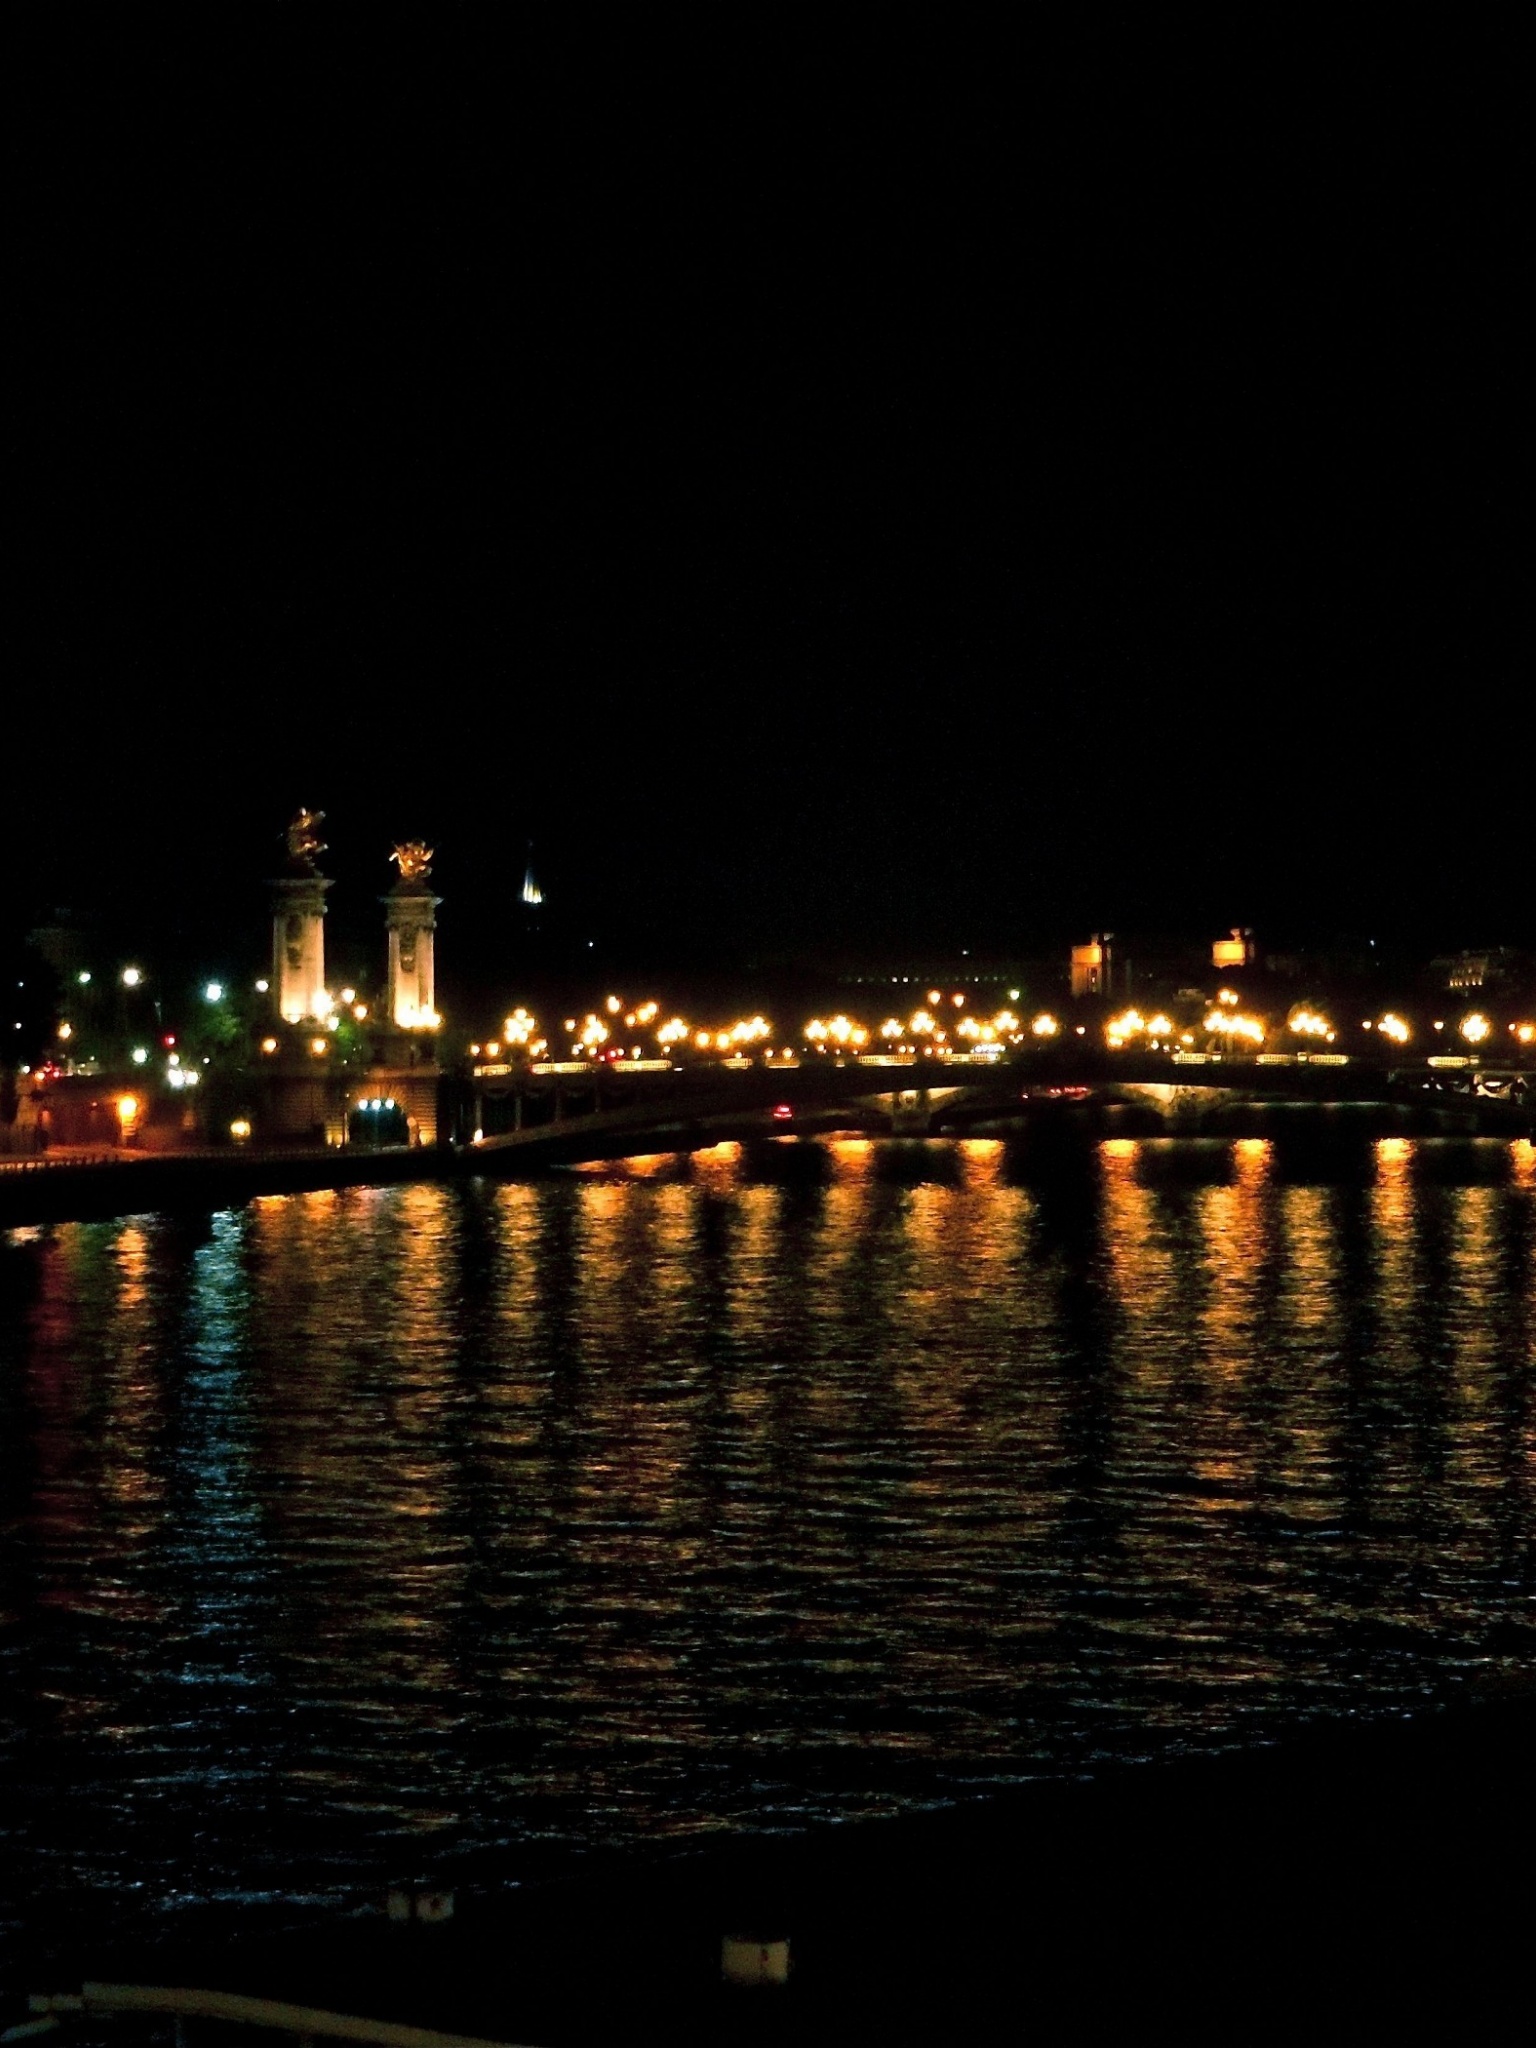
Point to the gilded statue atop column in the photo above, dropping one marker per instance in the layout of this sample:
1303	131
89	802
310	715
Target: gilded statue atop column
303	837
413	857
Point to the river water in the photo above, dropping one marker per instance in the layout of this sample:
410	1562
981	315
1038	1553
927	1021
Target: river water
452	1529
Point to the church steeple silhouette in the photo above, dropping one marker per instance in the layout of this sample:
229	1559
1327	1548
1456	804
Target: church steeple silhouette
533	895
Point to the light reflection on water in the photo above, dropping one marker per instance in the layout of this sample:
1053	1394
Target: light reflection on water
358	1531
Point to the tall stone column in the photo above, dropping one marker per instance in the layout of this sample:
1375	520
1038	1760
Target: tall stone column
408	914
298	926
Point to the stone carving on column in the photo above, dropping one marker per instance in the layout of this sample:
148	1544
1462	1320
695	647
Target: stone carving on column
408	913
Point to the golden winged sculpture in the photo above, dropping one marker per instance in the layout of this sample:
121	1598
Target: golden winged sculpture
413	857
303	836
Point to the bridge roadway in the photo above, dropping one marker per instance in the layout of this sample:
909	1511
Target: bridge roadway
694	1105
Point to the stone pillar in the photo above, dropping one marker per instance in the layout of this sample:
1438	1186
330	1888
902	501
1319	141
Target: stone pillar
408	913
298	947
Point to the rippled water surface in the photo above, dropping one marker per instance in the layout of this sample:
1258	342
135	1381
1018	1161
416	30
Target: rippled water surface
350	1534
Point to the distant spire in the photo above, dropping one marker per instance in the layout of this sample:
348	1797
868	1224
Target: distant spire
532	893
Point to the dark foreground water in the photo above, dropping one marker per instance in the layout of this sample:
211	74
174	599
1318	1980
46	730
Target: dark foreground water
352	1535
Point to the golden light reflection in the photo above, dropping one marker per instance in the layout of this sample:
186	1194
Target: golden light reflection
1233	1221
1140	1272
574	1483
1477	1313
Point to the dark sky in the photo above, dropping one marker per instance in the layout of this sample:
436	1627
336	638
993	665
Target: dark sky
889	491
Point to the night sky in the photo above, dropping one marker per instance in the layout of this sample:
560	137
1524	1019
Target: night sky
900	492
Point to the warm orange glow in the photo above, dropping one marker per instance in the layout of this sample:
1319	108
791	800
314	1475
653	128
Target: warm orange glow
1045	1025
66	1031
319	1046
1475	1028
1233	1025
269	1045
127	1109
1307	1023
240	1128
1392	1026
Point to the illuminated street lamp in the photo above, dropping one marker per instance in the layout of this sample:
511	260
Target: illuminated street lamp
1231	1024
1475	1028
131	977
1307	1023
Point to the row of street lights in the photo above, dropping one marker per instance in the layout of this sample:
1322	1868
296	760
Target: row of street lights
944	1028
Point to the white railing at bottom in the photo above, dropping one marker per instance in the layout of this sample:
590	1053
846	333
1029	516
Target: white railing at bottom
309	2023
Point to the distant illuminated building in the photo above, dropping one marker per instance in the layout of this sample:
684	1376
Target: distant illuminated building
1236	951
1092	966
1489	967
533	895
